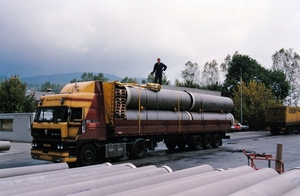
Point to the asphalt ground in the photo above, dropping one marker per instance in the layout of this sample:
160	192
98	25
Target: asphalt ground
227	156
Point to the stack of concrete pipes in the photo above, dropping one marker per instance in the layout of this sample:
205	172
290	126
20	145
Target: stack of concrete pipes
175	105
127	179
4	145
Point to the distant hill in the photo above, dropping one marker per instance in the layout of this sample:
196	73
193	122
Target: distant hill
62	78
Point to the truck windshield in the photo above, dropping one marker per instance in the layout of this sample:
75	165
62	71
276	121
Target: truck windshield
51	114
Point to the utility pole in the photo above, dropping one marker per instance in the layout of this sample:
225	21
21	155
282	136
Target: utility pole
241	97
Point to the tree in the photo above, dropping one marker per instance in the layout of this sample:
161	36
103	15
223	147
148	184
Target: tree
129	80
255	98
288	62
242	67
211	76
13	98
191	75
150	79
90	77
53	87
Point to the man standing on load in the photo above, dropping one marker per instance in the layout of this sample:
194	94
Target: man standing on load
158	69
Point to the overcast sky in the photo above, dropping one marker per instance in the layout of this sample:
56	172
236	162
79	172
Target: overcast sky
125	38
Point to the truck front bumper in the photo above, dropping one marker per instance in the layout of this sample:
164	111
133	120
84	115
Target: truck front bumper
52	156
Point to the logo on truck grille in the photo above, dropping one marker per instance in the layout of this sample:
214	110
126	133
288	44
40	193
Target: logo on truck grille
46	131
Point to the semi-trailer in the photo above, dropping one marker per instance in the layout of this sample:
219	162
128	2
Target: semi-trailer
89	122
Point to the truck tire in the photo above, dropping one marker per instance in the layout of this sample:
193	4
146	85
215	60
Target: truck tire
216	140
87	155
195	142
170	144
139	149
207	140
181	143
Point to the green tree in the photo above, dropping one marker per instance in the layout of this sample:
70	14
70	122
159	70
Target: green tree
288	62
210	74
90	77
150	79
242	67
190	75
53	87
255	98
13	96
129	80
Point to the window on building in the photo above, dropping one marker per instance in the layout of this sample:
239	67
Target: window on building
6	124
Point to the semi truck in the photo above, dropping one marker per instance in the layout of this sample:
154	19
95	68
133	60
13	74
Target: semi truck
284	119
93	121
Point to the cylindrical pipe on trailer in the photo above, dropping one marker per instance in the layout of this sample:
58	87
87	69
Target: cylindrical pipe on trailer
211	116
231	185
180	185
80	185
157	115
278	185
17	171
210	103
4	145
162	100
137	183
34	179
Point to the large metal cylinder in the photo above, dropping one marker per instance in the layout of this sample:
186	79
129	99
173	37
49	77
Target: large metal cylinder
162	100
4	173
181	100
180	185
231	185
157	115
80	185
211	116
278	185
4	145
138	183
210	103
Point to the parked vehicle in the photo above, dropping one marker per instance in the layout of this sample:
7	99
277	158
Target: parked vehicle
236	127
243	127
93	121
282	119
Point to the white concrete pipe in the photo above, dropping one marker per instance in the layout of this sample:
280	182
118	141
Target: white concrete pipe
17	171
116	188
34	179
79	176
293	192
4	145
231	185
81	185
179	185
278	185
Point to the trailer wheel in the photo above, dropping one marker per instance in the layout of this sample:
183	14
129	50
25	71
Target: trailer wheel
139	149
87	155
170	144
181	143
216	140
207	141
195	142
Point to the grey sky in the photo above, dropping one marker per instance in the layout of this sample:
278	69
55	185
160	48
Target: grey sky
125	37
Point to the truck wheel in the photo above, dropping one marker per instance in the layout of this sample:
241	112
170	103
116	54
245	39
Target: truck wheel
181	143
87	155
216	140
195	142
207	141
139	149
170	144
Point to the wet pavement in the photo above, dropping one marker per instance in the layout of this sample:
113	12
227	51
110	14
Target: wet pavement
227	156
